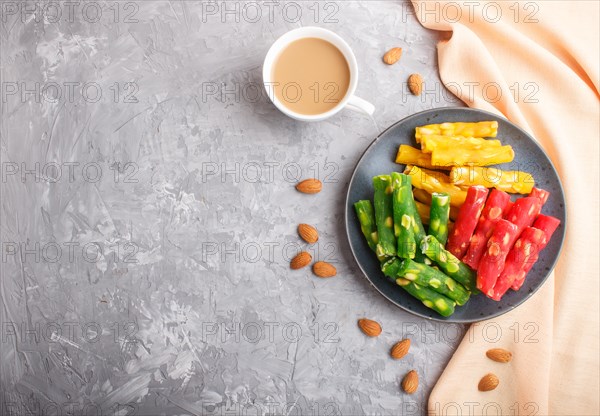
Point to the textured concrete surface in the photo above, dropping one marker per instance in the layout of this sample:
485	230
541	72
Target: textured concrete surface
149	214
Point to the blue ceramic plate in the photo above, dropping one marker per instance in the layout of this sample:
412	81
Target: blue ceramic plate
379	159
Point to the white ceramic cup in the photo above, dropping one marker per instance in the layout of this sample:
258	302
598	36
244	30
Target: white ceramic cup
350	100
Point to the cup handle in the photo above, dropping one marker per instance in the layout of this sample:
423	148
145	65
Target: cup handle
358	104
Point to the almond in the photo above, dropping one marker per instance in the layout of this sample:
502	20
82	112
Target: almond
392	56
308	233
400	349
324	269
499	355
369	327
301	260
488	382
410	383
310	186
415	84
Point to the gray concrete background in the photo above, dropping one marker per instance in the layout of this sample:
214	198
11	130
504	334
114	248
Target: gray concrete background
149	214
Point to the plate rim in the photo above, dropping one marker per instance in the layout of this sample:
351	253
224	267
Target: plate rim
440	318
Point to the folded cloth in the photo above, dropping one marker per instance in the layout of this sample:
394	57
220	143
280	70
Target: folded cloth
537	64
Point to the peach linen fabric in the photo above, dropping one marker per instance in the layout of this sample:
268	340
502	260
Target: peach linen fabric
553	46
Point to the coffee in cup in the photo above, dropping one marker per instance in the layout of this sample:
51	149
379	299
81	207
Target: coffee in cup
310	76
